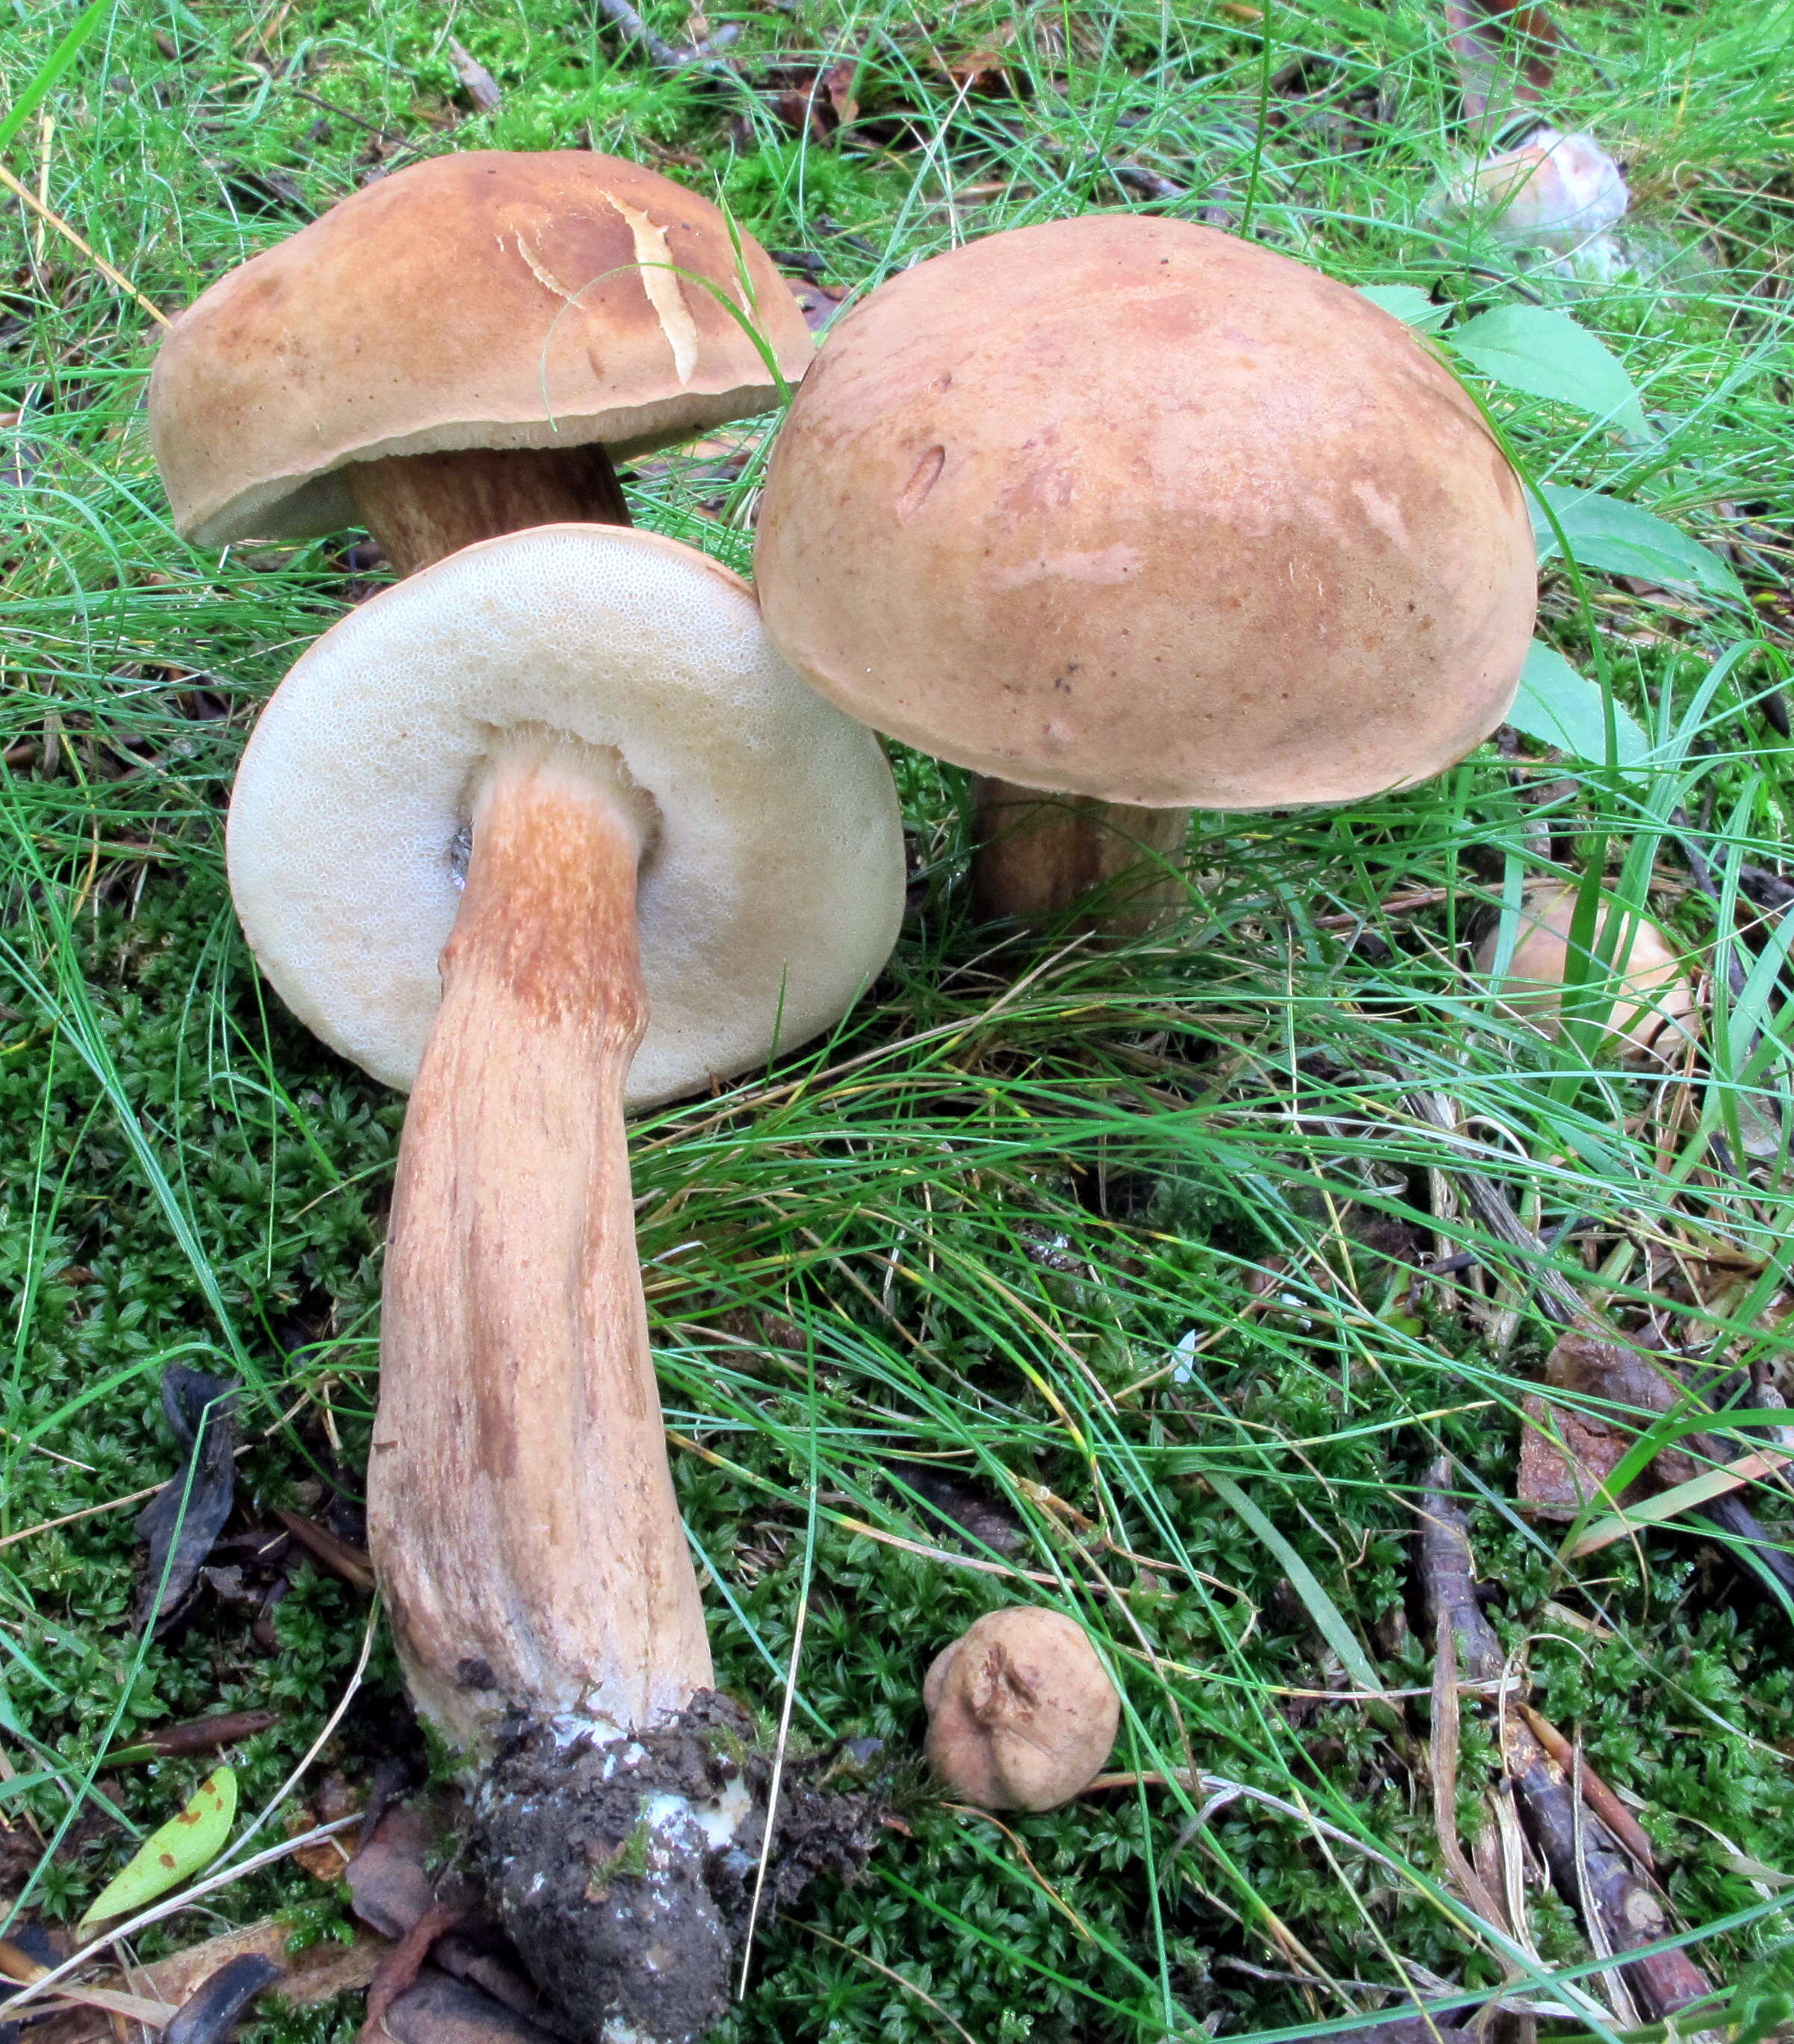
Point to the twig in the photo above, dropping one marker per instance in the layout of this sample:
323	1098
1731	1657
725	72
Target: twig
669	56
1586	1862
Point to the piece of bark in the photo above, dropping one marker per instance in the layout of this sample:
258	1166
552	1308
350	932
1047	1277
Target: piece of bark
1588	1866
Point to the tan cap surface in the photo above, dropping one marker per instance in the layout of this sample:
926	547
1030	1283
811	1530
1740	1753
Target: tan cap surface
771	894
491	299
1022	1715
1652	1012
1127	508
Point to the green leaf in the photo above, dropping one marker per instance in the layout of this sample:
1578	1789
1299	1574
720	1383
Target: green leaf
1547	354
1606	532
170	1855
1566	710
1407	302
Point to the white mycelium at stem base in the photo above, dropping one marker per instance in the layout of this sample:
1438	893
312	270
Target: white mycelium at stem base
679	858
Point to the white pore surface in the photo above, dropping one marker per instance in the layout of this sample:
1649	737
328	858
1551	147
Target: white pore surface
768	898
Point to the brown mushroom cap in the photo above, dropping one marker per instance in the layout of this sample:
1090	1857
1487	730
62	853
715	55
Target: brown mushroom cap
1654	1009
486	300
1127	508
1022	1714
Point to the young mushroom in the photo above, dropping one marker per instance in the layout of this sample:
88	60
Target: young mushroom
1653	1011
1129	516
1022	1715
675	858
461	350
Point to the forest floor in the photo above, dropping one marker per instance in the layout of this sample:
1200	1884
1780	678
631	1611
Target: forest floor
1147	1284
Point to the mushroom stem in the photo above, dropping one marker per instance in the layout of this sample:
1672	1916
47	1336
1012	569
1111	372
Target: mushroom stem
1041	854
521	1513
423	507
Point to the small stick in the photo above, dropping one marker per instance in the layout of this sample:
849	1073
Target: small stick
669	56
1595	1793
1586	1863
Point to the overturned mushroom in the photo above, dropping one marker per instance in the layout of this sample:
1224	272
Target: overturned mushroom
459	350
1137	514
1653	1011
662	831
1022	1714
1559	193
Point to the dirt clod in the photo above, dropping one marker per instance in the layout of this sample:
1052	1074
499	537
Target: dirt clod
624	1870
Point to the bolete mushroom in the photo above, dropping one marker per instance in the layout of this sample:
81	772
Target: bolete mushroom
1138	514
662	831
459	350
1653	1011
1022	1715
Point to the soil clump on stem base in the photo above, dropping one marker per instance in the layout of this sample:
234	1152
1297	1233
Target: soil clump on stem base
624	1870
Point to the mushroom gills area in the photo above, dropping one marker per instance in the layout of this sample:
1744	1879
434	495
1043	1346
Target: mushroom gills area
1039	855
624	1868
423	507
521	1513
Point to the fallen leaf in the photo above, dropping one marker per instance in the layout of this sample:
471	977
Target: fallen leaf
186	1516
818	303
1559	1481
441	2010
179	1848
401	1965
389	1883
838	84
977	70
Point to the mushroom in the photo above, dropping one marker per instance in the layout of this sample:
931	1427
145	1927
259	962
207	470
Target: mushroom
1653	1005
662	831
1137	514
459	350
1555	192
1022	1715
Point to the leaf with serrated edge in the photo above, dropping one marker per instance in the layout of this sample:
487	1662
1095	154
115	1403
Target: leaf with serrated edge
1547	354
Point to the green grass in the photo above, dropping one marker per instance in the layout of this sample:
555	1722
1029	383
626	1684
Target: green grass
968	1237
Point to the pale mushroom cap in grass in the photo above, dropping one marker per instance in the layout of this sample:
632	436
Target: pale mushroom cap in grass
491	299
1022	1714
771	886
1653	1008
1127	508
